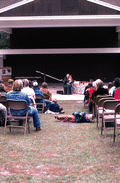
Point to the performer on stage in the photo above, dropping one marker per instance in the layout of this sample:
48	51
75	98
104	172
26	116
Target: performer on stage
68	80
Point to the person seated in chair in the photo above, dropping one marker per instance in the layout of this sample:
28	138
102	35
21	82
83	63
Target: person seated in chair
9	86
51	105
29	91
46	92
18	95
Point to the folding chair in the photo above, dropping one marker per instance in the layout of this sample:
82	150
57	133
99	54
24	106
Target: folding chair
46	96
40	105
108	114
96	100
3	100
99	108
12	121
117	123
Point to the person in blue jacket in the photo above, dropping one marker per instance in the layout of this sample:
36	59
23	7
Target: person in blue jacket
51	105
16	94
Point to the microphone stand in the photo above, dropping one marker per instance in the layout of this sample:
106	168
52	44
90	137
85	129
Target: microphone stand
48	76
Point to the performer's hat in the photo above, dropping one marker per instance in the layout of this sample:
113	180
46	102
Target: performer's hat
35	83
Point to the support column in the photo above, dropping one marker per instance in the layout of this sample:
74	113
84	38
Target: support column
1	60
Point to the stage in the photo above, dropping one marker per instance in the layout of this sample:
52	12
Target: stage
54	87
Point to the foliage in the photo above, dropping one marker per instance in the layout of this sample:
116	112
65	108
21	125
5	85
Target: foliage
4	40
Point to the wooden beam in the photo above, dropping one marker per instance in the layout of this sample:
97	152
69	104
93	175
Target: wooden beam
105	4
118	29
60	21
59	51
15	5
7	30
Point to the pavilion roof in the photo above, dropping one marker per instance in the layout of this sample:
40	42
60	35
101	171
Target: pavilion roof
6	5
113	4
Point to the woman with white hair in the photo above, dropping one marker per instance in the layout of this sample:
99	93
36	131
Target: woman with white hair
29	91
18	95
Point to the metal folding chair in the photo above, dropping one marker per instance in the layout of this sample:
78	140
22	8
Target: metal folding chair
13	121
99	108
40	105
117	124
108	114
3	100
96	100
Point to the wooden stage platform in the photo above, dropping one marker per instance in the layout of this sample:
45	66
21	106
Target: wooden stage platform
54	87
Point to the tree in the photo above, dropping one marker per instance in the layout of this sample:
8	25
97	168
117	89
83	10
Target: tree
4	40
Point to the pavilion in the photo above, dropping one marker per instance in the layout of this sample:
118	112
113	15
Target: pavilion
75	36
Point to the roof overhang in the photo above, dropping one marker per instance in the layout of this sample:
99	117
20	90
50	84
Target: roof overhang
60	21
59	51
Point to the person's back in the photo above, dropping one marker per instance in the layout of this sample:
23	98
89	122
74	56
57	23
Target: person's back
9	86
117	94
101	91
38	92
18	95
29	91
46	91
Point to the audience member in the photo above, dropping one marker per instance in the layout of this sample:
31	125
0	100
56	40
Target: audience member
9	86
100	89
51	105
46	92
90	92
116	84
111	87
68	80
29	91
116	92
86	95
2	89
18	95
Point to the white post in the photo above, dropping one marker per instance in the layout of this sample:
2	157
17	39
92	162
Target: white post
1	60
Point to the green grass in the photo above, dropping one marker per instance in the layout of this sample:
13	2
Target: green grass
61	152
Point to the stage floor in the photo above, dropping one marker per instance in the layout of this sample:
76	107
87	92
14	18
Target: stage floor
54	87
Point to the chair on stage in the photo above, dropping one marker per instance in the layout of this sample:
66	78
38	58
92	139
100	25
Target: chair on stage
108	115
13	121
117	123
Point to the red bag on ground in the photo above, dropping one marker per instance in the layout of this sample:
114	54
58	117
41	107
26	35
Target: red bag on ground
65	118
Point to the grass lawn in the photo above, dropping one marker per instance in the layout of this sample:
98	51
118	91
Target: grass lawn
61	152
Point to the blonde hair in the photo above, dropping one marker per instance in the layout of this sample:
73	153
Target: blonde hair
17	85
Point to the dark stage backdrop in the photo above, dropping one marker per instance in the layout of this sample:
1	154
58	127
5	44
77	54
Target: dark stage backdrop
82	66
